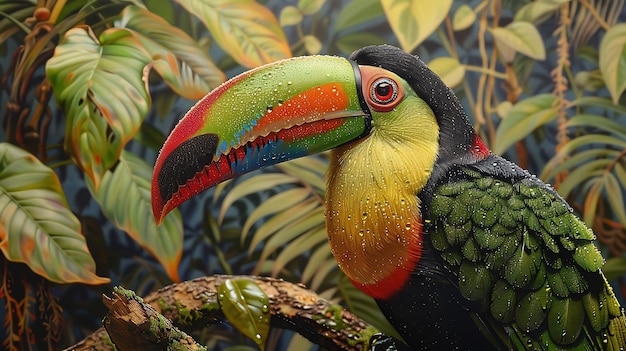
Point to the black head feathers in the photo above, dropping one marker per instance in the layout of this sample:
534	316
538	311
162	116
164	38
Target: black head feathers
456	132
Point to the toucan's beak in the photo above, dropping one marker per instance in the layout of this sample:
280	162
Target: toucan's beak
281	111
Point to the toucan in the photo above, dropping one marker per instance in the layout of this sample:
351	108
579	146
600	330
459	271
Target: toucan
460	248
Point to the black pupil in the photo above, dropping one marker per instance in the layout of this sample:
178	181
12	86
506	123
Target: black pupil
383	90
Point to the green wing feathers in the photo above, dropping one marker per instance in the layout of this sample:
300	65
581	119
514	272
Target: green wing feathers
523	256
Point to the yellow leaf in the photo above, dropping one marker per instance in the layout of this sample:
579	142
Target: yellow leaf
412	21
522	37
463	18
245	29
289	16
613	60
449	69
312	44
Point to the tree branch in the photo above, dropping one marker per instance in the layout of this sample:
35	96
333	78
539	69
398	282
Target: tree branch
192	305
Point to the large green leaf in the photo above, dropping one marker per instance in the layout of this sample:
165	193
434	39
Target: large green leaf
412	21
526	116
613	60
124	195
245	29
519	36
246	306
101	84
36	226
178	59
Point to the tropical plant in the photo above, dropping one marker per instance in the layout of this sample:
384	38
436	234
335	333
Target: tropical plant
542	80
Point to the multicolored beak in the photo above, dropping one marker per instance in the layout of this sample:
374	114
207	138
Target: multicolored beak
281	111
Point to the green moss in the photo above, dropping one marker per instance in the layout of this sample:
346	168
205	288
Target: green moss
106	340
129	294
187	316
332	318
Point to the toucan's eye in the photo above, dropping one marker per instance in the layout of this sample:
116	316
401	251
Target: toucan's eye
384	91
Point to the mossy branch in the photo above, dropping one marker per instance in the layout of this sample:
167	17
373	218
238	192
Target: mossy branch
193	304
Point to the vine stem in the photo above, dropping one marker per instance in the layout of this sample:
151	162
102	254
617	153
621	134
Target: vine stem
595	14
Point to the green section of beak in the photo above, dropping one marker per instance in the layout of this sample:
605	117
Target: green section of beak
280	96
268	115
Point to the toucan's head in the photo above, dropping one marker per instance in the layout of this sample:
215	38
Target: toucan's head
293	108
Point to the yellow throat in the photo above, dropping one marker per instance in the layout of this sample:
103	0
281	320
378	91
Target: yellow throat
372	209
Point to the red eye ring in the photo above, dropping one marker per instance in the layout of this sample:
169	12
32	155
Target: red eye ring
384	91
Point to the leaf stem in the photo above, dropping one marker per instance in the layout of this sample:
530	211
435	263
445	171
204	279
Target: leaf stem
60	164
485	71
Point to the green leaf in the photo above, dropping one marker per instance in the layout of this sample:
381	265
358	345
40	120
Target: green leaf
614	267
571	162
321	275
246	306
412	21
350	42
591	200
277	203
463	18
590	81
101	84
280	221
613	60
538	11
615	195
312	45
309	170
298	247
178	59
318	258
289	16
254	184
594	101
451	71
591	140
595	121
150	137
310	7
522	37
356	13
36	225
245	29
579	175
299	342
304	226
124	196
12	16
526	116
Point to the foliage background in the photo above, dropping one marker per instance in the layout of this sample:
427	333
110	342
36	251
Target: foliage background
91	88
